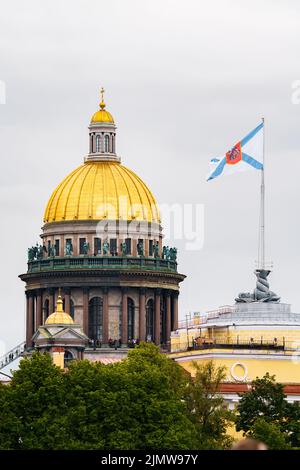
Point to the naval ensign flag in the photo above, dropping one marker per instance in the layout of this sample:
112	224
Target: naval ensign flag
248	151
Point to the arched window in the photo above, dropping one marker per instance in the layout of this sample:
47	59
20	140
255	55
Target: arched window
98	144
46	310
113	144
68	358
150	320
130	320
106	143
96	318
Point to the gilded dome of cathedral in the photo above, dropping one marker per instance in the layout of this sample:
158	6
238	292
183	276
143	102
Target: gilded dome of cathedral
102	190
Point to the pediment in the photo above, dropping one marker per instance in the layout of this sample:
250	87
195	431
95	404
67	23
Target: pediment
70	333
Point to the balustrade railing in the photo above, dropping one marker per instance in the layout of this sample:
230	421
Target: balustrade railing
255	344
287	347
105	262
12	355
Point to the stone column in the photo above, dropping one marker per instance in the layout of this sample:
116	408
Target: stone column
61	246
168	317
51	301
175	311
160	246
39	312
124	318
67	299
75	243
134	246
44	317
85	313
29	319
105	316
146	247
157	316
142	315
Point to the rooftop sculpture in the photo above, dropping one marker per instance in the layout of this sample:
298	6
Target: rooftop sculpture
262	292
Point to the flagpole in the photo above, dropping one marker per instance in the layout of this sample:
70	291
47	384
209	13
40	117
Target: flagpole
262	207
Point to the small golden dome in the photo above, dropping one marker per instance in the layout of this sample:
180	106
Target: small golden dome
59	317
102	115
102	190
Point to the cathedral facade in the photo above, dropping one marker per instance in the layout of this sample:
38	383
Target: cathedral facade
102	250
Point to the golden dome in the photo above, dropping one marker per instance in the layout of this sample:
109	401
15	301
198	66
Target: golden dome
102	115
102	190
59	317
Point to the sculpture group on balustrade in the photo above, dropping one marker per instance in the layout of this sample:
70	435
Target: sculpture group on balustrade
38	252
169	253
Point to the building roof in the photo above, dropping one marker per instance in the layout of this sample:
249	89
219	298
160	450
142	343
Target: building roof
102	190
59	317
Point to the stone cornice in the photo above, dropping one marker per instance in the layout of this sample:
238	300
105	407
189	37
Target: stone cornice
102	273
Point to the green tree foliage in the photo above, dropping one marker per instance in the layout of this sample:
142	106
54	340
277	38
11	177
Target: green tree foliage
292	423
264	409
270	434
147	401
134	404
207	408
265	399
28	406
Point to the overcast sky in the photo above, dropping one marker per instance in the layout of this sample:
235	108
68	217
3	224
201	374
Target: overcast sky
184	81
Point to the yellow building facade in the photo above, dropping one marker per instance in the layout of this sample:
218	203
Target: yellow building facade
249	339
